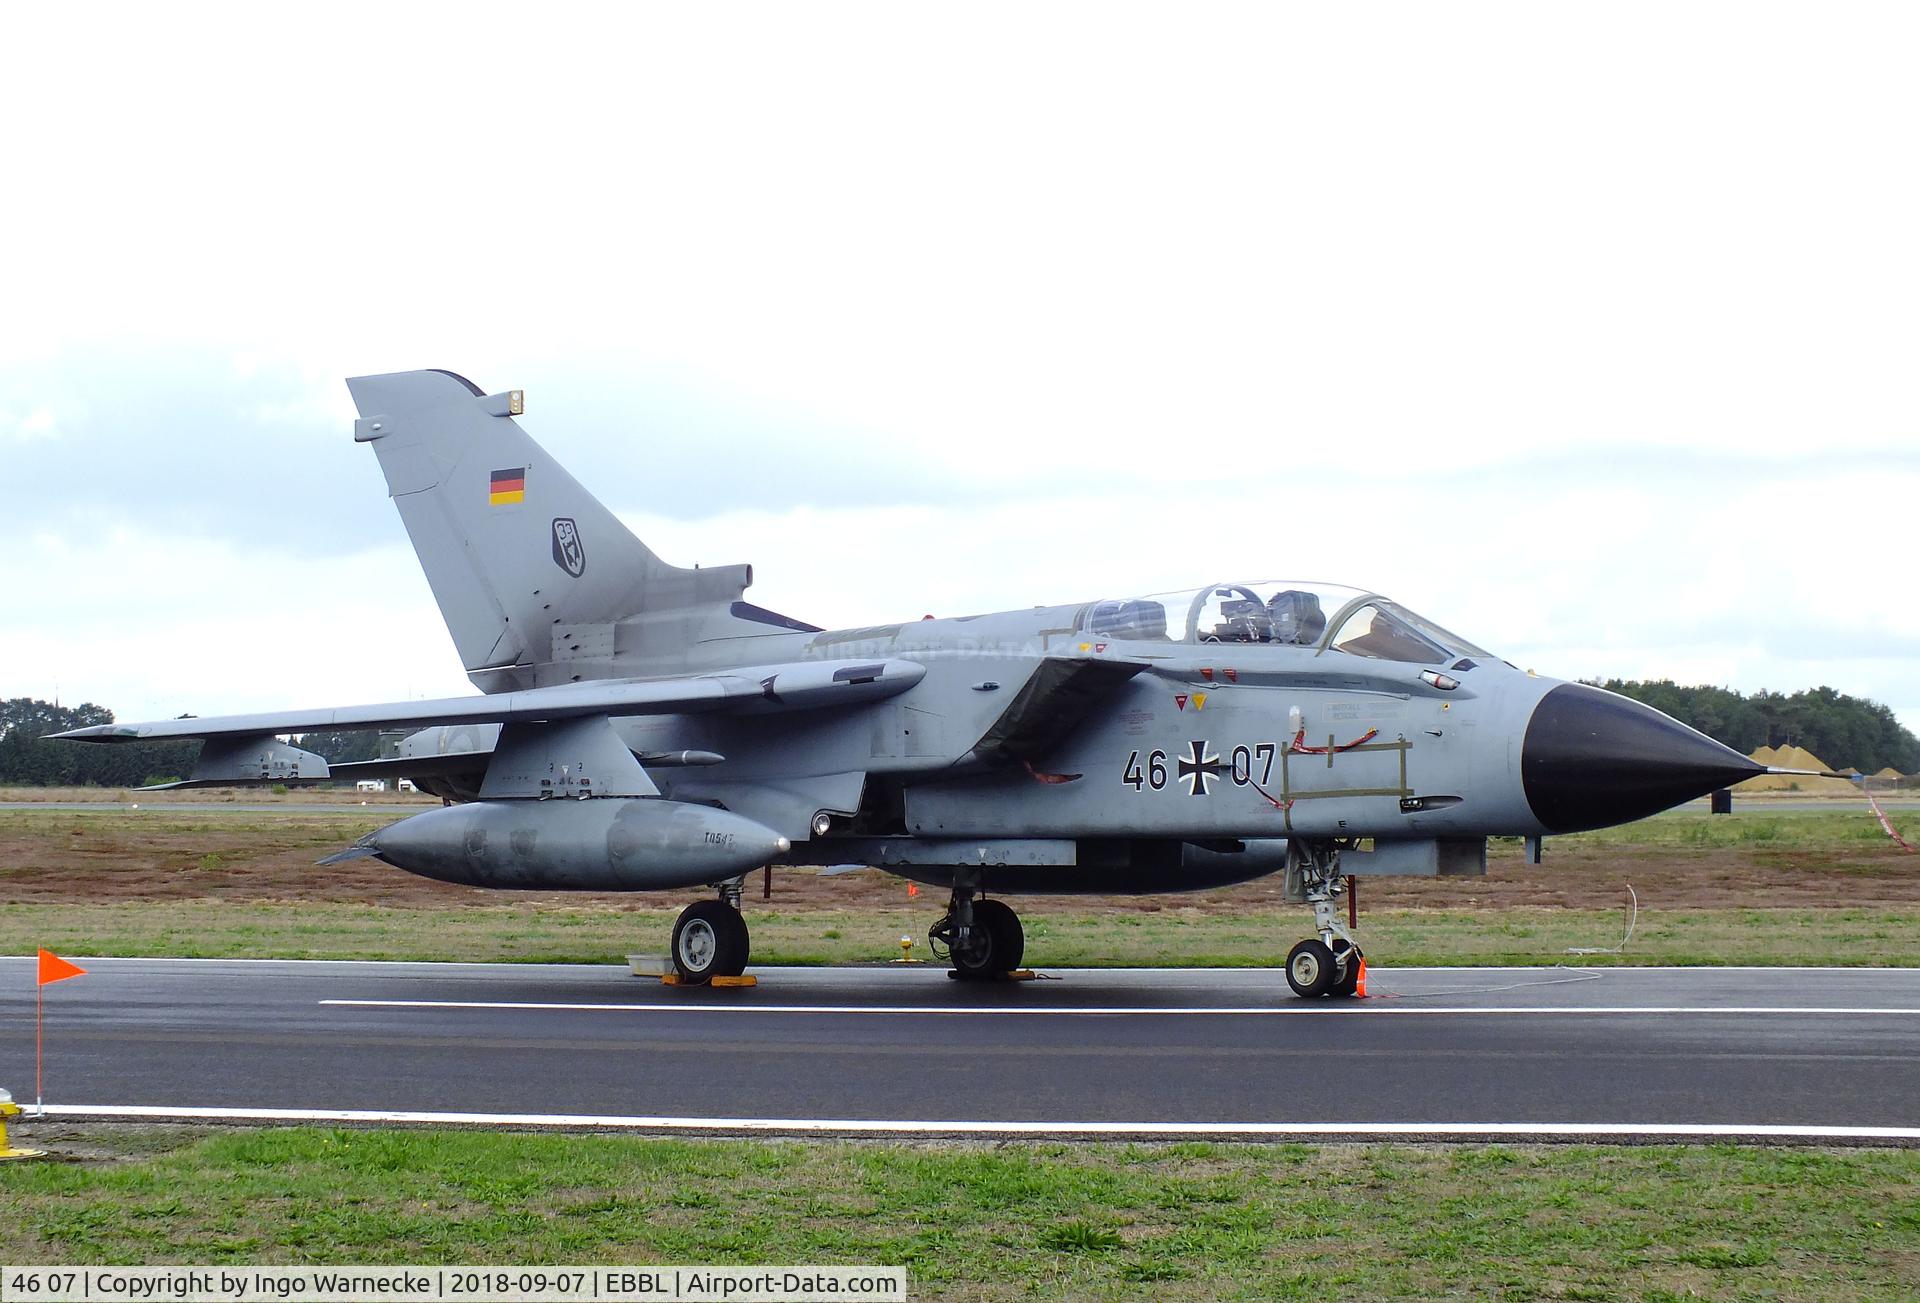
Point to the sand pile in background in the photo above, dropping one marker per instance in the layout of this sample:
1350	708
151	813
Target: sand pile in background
1889	772
1794	758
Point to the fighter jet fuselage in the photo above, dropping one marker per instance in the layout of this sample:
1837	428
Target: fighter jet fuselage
645	727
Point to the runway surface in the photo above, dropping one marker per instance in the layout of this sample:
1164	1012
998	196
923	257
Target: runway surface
1702	1052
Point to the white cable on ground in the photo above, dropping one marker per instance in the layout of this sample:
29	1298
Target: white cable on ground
1572	975
1633	917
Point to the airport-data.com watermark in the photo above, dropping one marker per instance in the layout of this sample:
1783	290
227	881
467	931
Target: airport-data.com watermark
453	1284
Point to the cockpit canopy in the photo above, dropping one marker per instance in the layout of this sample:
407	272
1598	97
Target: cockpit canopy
1320	616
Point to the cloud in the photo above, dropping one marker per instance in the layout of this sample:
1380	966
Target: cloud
1590	337
38	423
152	624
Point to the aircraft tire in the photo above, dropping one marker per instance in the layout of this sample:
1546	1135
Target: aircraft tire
1349	981
709	941
1311	968
742	945
1009	938
999	926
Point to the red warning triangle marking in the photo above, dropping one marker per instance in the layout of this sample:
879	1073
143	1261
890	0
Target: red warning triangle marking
1180	700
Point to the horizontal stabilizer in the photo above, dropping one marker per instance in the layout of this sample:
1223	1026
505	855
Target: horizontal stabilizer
186	784
454	764
228	761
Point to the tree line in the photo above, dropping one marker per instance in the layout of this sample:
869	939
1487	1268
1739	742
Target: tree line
27	761
1844	731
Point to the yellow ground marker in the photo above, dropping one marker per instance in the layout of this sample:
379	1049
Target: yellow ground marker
9	1109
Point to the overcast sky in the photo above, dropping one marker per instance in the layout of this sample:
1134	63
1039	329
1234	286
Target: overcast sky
1591	332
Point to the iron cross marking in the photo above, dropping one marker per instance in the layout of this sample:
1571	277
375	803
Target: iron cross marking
1198	768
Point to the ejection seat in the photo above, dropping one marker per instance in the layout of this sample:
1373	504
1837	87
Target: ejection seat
1297	617
1242	619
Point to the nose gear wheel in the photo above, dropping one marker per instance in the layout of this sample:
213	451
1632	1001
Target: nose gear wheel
1328	964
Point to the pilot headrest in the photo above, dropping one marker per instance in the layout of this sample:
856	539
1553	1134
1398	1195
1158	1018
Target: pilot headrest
1297	616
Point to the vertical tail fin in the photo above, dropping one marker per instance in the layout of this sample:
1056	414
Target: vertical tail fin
514	549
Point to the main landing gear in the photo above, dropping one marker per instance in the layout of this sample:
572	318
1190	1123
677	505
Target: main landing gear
982	938
710	938
1328	964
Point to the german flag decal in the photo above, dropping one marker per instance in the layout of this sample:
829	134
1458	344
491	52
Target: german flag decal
508	486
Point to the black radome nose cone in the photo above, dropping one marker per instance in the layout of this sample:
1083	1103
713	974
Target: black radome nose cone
1592	759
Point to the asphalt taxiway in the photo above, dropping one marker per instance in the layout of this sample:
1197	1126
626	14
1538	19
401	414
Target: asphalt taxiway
1830	1054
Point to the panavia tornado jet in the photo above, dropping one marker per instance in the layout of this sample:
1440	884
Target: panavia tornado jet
644	727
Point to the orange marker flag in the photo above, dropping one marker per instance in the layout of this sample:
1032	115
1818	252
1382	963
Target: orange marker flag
55	969
52	969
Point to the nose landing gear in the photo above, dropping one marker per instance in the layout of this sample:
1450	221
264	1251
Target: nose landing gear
1330	963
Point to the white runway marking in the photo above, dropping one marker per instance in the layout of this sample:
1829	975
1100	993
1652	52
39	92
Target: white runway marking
874	1126
1388	1005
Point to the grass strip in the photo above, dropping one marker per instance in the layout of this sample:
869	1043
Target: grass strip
1029	1220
